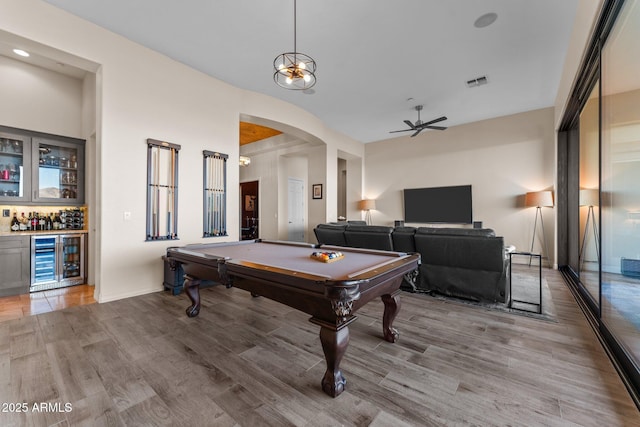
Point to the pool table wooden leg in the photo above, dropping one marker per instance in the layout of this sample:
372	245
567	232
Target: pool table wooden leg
334	344
192	289
391	308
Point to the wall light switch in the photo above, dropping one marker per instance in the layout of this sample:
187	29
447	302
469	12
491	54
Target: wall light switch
5	213
126	216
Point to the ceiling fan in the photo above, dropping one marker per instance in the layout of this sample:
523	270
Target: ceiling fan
419	126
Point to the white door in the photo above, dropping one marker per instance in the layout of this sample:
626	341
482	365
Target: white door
296	210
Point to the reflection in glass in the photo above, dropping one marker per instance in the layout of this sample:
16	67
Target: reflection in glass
49	181
11	164
57	175
589	263
620	208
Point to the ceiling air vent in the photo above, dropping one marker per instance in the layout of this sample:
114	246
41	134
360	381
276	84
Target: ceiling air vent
477	81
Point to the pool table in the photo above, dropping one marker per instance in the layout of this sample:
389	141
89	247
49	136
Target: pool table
331	292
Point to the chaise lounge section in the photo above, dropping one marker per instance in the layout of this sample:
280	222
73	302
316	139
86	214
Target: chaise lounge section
463	263
458	262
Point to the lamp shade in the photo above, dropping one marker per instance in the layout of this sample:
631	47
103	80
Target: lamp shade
589	197
365	205
538	198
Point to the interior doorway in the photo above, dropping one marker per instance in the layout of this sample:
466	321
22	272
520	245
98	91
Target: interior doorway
249	213
342	188
296	210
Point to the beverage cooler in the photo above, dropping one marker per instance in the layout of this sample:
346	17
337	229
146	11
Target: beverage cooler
57	261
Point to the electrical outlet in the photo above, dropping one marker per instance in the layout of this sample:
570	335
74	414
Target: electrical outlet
5	213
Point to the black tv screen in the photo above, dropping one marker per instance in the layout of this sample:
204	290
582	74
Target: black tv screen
438	204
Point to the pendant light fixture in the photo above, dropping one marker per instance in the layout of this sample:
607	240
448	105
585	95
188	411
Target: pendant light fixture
294	70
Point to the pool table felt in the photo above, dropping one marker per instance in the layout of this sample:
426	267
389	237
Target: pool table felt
298	258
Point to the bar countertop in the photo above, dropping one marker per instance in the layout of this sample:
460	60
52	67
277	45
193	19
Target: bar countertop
42	233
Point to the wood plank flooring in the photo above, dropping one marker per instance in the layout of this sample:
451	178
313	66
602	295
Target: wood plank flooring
251	362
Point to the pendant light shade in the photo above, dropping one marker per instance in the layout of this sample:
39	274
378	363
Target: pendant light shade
294	70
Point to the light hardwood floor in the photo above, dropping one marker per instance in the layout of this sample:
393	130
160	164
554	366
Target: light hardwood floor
250	361
18	306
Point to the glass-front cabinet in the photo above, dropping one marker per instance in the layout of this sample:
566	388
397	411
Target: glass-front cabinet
40	168
59	171
15	154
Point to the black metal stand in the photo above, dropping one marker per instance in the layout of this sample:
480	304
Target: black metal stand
591	219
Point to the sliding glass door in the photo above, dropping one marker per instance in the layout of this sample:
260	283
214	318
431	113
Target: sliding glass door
620	182
599	187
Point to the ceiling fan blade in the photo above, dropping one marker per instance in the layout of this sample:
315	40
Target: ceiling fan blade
435	127
403	130
409	124
439	119
417	132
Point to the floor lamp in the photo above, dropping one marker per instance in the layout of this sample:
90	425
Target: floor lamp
367	205
539	199
589	197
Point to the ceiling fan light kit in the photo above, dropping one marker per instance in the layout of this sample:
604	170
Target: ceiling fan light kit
419	126
478	81
294	70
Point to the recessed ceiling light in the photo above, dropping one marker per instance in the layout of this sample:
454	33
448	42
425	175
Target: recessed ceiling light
21	52
485	20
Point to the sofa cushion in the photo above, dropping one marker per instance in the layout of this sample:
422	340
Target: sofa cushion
369	237
402	238
472	232
470	252
330	234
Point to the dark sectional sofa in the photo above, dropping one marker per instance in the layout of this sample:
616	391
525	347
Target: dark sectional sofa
460	262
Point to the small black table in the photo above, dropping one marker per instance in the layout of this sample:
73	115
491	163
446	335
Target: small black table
511	300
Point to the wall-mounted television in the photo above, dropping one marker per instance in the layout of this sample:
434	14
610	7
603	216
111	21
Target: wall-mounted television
438	205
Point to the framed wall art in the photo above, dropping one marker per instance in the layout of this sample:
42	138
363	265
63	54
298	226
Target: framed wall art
317	191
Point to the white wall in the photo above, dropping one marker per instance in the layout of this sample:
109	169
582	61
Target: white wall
38	99
141	94
325	209
354	185
501	158
582	27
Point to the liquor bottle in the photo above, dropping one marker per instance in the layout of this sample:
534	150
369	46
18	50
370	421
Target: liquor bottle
34	222
41	223
56	221
23	222
15	224
48	222
30	221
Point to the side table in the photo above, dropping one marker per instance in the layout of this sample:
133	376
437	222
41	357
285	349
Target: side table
511	300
